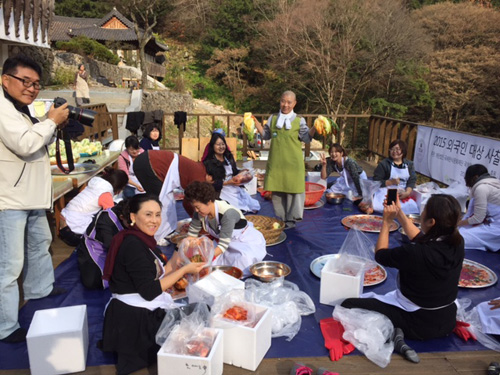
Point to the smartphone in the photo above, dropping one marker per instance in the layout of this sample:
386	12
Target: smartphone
392	196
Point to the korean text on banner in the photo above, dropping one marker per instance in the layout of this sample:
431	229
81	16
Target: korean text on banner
444	155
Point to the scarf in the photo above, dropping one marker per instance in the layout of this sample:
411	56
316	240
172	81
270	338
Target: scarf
285	120
116	243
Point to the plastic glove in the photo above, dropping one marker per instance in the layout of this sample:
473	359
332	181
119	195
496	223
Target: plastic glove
332	331
461	331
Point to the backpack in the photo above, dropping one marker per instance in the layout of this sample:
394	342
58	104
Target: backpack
92	255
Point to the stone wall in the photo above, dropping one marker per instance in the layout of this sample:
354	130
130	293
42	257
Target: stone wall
51	60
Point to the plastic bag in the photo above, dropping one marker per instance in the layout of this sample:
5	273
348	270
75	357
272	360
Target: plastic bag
197	249
368	188
196	313
472	317
212	287
369	331
243	177
459	191
428	188
233	308
357	247
286	301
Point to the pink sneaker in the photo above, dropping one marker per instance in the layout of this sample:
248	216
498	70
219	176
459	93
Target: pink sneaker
300	369
324	371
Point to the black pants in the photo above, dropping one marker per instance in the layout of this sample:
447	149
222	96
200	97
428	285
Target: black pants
418	325
145	174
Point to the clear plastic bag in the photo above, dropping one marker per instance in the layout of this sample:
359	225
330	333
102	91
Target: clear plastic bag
368	188
286	302
233	308
428	188
243	177
197	249
356	248
197	314
472	317
369	331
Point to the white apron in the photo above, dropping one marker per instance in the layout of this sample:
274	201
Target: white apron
408	207
236	196
163	301
82	88
396	298
483	236
131	176
345	185
168	213
247	246
490	319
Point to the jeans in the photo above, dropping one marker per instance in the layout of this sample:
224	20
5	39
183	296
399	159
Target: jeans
25	239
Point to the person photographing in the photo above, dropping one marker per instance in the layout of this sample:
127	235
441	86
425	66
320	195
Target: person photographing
25	192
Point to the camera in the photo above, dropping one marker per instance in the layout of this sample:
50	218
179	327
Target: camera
83	116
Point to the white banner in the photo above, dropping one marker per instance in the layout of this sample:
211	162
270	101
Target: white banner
444	155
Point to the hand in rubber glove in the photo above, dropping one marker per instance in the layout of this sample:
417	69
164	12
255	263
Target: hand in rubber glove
461	331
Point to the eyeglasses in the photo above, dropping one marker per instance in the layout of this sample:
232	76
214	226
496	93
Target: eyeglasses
28	84
395	149
220	145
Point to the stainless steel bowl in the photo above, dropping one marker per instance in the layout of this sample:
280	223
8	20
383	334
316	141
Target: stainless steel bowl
230	270
335	198
415	219
268	271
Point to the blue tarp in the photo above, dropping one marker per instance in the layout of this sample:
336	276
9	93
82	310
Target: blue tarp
319	233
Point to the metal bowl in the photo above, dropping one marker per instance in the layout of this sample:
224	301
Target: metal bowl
230	270
268	271
414	218
334	198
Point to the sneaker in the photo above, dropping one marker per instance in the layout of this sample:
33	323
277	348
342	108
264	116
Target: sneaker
494	368
300	369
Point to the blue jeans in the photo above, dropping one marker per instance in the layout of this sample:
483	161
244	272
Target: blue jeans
24	247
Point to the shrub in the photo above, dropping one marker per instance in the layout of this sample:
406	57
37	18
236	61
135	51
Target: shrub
88	47
63	76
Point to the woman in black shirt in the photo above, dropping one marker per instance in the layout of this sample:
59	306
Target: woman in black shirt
423	307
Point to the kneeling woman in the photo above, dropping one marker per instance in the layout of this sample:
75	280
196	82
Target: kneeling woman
138	278
423	307
240	244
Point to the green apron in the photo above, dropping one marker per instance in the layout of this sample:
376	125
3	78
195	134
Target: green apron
285	171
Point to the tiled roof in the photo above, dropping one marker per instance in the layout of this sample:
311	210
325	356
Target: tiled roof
63	28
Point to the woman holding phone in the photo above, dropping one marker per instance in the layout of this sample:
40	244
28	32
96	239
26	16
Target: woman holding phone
423	305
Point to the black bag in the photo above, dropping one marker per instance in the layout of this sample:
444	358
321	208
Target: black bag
92	255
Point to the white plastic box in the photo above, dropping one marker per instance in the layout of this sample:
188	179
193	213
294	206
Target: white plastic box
212	286
251	187
337	285
58	340
169	364
244	346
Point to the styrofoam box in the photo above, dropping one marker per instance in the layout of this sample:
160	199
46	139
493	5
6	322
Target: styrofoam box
178	364
58	340
212	286
251	187
244	346
336	287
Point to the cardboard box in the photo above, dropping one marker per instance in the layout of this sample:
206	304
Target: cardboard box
212	286
178	364
337	285
58	340
244	346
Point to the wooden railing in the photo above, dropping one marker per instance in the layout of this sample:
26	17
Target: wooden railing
361	132
384	130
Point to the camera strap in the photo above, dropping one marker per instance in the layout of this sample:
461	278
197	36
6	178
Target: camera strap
69	153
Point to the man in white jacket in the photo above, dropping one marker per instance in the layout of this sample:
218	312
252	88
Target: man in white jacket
25	193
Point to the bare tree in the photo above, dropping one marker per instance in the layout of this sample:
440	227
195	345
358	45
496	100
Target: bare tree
230	67
464	74
332	49
144	15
